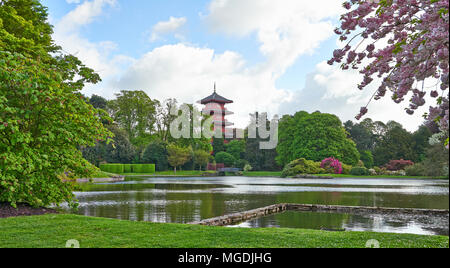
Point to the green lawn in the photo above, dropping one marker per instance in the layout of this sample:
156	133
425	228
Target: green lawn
52	231
196	173
180	173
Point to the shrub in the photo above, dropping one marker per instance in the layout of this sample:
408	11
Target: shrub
359	171
127	168
225	158
302	166
248	168
377	170
415	170
112	168
144	168
367	159
331	165
346	169
241	163
396	165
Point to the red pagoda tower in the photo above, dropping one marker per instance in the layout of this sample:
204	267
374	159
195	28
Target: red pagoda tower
215	106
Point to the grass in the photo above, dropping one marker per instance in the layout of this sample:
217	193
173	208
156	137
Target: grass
180	173
102	175
52	231
262	174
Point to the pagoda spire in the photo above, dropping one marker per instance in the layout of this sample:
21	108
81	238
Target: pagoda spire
215	87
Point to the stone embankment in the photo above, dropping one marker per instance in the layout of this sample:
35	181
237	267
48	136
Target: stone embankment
265	211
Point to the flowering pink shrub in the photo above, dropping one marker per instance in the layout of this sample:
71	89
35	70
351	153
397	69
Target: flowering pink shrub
396	165
332	165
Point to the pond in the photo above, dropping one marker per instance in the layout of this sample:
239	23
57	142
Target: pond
184	200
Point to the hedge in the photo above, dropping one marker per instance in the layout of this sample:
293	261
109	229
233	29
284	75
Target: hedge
144	168
112	168
128	168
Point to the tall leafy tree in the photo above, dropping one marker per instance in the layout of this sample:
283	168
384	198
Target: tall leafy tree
135	112
44	120
396	144
164	118
421	139
314	137
201	158
178	156
236	148
156	153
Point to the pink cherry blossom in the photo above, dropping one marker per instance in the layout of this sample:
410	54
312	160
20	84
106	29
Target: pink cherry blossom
417	36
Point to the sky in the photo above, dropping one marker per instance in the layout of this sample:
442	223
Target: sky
267	56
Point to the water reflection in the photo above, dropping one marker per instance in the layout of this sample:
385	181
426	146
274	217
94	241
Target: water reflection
425	225
183	200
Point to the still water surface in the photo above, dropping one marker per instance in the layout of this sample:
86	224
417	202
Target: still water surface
184	200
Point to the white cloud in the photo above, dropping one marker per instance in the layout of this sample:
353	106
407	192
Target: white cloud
83	14
96	55
331	90
188	73
286	29
165	27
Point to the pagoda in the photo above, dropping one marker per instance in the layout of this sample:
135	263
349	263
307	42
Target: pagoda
215	106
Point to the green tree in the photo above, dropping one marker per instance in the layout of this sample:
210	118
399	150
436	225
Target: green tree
225	158
396	144
367	158
314	137
118	151
236	148
135	112
44	120
362	134
156	153
218	145
421	139
164	118
260	160
178	156
98	102
201	158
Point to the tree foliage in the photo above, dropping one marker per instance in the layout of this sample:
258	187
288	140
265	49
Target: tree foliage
178	156
156	153
225	158
43	117
396	144
314	137
201	158
134	111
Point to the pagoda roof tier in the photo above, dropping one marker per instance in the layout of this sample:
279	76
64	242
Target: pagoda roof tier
222	111
222	123
216	98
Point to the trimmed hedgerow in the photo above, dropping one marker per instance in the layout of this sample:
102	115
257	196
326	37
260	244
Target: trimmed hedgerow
144	168
127	168
112	168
